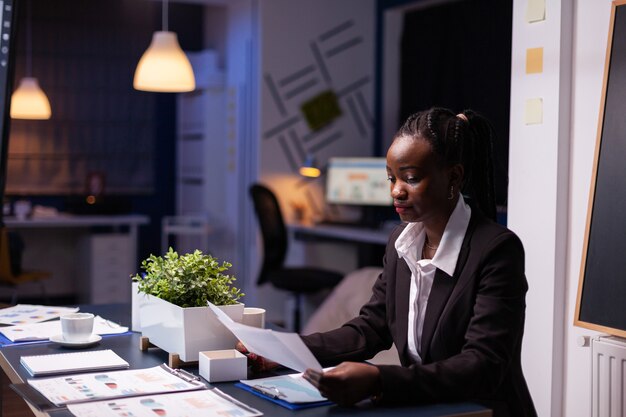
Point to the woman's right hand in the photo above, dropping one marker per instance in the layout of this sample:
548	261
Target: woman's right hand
257	363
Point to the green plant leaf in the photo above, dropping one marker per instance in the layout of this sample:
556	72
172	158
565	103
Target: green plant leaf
188	280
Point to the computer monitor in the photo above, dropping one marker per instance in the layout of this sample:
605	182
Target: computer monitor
357	181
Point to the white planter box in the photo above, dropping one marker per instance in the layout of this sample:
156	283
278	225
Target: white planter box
185	331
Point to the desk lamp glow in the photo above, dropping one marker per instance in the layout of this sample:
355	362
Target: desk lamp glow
164	67
28	100
309	169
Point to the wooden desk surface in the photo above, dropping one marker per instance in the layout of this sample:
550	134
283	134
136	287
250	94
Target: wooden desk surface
127	346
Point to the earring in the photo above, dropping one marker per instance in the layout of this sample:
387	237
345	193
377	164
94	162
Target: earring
451	196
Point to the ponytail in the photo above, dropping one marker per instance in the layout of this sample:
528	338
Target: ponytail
479	184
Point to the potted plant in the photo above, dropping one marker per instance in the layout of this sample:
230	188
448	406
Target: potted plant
172	309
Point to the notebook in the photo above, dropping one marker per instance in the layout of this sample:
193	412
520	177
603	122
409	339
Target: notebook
65	363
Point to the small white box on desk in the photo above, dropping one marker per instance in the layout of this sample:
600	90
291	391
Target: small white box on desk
223	365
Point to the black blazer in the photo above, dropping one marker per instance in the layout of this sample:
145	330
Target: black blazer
473	327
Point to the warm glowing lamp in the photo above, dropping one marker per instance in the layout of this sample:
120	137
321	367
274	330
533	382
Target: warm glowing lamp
164	67
28	100
309	169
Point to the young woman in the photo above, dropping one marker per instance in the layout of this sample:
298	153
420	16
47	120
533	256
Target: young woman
452	291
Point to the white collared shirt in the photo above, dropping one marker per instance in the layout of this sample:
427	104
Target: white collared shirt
409	246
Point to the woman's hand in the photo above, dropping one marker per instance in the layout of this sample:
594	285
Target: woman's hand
348	383
257	363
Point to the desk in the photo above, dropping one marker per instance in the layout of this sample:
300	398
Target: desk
369	243
127	346
91	256
80	221
348	234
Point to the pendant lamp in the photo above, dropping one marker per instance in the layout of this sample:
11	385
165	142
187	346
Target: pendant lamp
28	100
164	67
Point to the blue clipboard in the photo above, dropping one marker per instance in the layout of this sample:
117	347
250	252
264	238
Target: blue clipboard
283	403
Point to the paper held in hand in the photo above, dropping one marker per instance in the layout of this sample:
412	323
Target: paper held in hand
286	349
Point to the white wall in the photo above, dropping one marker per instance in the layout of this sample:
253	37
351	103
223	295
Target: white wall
591	23
309	47
537	209
550	170
293	50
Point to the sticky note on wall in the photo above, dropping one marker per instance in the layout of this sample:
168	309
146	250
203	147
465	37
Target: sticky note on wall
533	111
535	11
534	60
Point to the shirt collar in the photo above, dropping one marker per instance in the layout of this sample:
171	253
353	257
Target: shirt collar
411	240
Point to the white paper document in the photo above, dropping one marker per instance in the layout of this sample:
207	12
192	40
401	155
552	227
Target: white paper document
205	403
28	313
45	330
70	389
285	348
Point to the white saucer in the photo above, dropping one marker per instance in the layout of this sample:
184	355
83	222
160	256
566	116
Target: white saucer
94	338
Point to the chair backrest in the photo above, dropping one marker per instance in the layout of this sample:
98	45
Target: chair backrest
6	274
272	227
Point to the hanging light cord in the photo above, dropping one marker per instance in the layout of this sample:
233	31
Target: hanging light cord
29	40
164	16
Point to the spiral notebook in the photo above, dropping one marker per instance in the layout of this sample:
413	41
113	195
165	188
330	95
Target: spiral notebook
65	363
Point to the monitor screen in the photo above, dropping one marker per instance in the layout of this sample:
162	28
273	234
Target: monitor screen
358	181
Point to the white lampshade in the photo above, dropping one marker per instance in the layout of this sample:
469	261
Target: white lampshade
164	66
29	101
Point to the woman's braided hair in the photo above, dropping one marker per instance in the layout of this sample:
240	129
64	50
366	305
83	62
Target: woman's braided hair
466	139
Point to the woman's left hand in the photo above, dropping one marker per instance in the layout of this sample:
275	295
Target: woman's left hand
259	364
348	383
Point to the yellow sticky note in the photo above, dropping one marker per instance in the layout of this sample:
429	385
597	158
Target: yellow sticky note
535	11
534	60
533	112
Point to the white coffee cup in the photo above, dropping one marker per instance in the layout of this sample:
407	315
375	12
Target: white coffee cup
253	316
22	209
77	327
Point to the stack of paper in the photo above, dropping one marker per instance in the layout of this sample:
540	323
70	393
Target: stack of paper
45	330
27	313
95	386
206	403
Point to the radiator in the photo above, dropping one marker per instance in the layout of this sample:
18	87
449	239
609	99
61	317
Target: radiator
608	373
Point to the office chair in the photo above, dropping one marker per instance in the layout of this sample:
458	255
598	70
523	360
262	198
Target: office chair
297	280
12	280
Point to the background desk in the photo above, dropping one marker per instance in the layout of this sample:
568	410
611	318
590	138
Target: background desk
349	234
89	256
127	346
368	243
